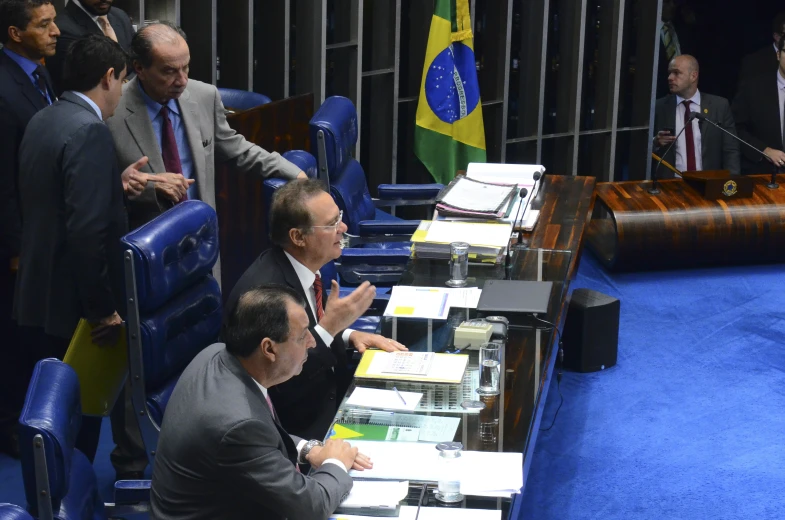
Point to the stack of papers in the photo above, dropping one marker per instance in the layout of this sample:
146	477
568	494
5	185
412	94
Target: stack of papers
444	368
376	494
384	399
487	240
433	303
465	196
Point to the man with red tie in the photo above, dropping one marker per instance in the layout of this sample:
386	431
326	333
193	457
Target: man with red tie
306	228
700	145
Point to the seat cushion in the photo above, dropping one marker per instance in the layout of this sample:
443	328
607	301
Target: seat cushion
13	512
305	161
158	399
83	502
350	191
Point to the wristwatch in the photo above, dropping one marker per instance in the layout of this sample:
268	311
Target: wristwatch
307	449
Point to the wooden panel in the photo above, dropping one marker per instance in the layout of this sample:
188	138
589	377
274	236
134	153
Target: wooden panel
242	215
679	228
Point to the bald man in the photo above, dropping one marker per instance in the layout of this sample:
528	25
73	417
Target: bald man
700	146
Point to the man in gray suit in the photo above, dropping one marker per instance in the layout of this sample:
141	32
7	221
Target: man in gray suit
222	453
701	146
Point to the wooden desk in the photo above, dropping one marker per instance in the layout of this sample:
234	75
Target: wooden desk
678	228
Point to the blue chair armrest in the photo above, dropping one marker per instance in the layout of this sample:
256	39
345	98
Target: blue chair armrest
388	227
304	160
409	191
128	492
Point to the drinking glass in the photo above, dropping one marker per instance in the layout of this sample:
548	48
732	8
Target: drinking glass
490	368
459	264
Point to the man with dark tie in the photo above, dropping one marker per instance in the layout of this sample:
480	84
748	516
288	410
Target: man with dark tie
764	60
306	228
701	146
28	33
758	110
83	17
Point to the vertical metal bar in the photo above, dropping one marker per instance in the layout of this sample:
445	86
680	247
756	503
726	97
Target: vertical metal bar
506	85
619	13
656	62
396	94
249	42
578	89
357	33
43	493
543	68
287	45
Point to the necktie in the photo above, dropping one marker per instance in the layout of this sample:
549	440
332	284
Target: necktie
317	289
169	151
42	82
688	136
106	27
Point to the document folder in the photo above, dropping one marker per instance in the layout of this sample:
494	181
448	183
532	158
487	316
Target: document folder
445	368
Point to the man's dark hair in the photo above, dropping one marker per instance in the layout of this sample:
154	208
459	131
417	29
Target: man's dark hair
259	313
88	59
778	25
288	209
16	13
145	38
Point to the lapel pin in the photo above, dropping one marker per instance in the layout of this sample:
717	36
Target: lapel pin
705	110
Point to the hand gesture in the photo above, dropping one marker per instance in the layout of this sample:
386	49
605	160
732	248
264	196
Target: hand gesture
363	340
106	331
342	312
134	181
776	157
173	186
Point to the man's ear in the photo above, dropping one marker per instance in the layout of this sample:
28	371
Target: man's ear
296	237
138	67
13	34
106	80
268	349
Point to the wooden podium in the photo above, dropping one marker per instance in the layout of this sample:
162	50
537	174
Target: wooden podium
719	184
683	227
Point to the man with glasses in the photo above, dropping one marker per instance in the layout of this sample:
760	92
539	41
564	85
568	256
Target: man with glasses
306	230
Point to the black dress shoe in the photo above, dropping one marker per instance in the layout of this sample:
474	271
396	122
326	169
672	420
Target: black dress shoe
130	475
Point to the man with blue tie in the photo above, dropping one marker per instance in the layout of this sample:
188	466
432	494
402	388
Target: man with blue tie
28	33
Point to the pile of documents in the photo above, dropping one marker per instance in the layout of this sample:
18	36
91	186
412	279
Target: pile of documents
488	240
467	197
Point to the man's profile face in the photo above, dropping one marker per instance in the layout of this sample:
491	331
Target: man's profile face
325	237
680	77
167	75
97	7
39	38
292	353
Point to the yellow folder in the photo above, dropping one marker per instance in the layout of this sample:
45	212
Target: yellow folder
101	370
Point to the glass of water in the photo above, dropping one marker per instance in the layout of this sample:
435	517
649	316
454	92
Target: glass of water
490	368
459	264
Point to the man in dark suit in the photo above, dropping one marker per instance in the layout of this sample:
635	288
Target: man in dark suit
28	33
306	228
73	212
764	60
758	110
701	146
222	452
83	17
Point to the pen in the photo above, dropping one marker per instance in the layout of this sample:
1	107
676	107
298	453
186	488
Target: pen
399	396
419	502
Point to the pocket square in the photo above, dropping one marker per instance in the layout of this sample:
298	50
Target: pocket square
207	142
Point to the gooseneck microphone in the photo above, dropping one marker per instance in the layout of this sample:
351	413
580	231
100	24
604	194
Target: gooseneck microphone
653	189
772	185
522	194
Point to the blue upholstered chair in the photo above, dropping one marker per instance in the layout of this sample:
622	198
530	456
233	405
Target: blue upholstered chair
237	100
59	480
13	512
174	305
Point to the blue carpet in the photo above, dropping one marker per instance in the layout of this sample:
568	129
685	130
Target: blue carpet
689	424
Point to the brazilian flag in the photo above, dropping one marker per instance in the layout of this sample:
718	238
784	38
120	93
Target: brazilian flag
449	133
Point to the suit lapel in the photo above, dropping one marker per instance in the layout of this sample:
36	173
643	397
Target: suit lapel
141	128
25	85
83	19
670	112
188	111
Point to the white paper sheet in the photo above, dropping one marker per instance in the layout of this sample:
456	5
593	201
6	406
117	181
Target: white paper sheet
383	399
521	174
493	234
376	493
433	513
418	302
464	297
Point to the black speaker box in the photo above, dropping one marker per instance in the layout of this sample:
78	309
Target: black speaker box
591	331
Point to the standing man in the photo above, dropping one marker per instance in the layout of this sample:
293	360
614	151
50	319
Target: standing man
701	146
758	110
223	453
28	33
73	212
764	60
83	17
306	228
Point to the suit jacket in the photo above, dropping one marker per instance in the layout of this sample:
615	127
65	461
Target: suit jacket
763	61
19	102
757	115
307	403
719	151
222	455
210	138
73	213
74	23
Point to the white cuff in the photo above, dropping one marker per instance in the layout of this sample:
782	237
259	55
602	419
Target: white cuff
345	336
300	446
326	336
336	462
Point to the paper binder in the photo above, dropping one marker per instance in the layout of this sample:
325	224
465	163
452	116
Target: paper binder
470	195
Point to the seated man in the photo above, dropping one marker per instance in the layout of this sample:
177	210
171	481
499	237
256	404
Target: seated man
306	228
222	452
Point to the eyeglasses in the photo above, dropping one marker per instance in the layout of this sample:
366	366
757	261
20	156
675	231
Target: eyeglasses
334	227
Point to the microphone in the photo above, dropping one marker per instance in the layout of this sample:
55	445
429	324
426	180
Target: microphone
522	194
772	185
653	189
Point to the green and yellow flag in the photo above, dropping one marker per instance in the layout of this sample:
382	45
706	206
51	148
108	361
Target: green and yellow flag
449	133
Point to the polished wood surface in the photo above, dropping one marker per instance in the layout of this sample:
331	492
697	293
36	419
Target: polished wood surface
279	126
679	228
565	205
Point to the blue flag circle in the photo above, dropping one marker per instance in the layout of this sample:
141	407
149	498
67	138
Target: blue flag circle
450	96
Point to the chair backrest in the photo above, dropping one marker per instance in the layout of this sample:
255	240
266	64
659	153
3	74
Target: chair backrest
337	120
174	303
241	99
13	512
53	411
304	160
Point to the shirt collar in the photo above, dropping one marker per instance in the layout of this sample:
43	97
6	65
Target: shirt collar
263	389
91	103
696	99
27	65
154	107
92	16
780	80
305	275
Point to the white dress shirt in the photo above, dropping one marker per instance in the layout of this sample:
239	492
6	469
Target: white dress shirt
91	15
302	441
781	92
307	277
681	144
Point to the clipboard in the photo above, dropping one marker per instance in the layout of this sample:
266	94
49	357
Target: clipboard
101	370
470	195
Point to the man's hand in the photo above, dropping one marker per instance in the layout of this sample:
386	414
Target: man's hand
363	340
134	180
340	312
106	331
334	449
776	157
301	176
173	186
663	138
